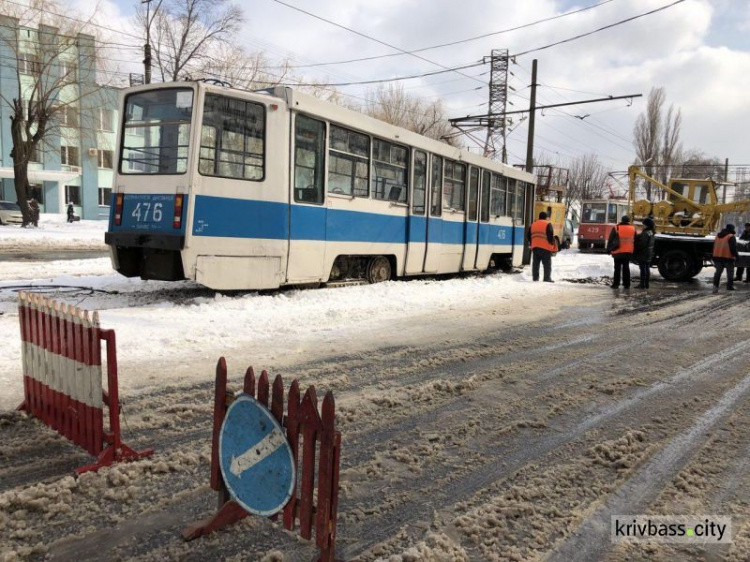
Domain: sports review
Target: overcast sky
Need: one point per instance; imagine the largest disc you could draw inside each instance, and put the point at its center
(698, 50)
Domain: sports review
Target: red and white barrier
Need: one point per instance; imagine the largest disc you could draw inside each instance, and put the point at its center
(62, 370)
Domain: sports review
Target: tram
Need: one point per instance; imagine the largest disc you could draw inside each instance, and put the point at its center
(598, 218)
(242, 190)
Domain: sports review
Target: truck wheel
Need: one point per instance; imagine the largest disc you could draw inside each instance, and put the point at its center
(378, 270)
(676, 265)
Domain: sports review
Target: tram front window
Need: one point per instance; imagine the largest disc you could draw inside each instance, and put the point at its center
(594, 213)
(156, 129)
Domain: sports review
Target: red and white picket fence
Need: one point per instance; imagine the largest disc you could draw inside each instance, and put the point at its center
(62, 377)
(308, 431)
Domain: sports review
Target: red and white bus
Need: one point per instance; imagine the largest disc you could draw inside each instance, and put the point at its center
(598, 217)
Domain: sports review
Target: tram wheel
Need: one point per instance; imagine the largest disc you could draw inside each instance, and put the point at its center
(378, 270)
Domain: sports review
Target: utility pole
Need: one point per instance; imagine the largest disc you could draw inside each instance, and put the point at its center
(532, 115)
(726, 179)
(147, 46)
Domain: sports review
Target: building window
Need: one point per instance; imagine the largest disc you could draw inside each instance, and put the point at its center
(232, 139)
(105, 159)
(105, 196)
(29, 64)
(35, 155)
(454, 187)
(309, 152)
(349, 164)
(69, 156)
(69, 116)
(36, 191)
(73, 194)
(106, 119)
(390, 167)
(68, 71)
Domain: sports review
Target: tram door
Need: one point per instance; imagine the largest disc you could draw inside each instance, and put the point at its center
(434, 221)
(471, 226)
(307, 227)
(416, 227)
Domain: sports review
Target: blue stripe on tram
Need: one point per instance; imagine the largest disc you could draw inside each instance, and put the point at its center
(243, 218)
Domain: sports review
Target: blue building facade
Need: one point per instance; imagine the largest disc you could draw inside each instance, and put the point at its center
(75, 160)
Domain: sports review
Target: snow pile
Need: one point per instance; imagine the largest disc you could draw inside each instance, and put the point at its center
(54, 233)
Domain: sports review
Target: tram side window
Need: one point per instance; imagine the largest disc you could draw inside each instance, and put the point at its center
(436, 183)
(420, 182)
(309, 152)
(232, 139)
(518, 198)
(473, 193)
(390, 171)
(499, 194)
(454, 187)
(484, 204)
(349, 165)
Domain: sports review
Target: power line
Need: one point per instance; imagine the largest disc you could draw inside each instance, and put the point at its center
(398, 78)
(349, 29)
(582, 35)
(483, 36)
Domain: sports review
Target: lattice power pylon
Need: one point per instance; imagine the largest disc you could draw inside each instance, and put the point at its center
(496, 127)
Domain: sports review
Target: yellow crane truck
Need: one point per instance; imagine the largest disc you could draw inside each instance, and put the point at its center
(552, 183)
(686, 222)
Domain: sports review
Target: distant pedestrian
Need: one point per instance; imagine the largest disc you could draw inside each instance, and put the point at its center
(34, 209)
(541, 238)
(71, 212)
(621, 245)
(740, 270)
(644, 251)
(725, 254)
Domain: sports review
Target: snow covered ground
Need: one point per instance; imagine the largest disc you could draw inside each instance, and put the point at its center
(54, 233)
(166, 321)
(489, 415)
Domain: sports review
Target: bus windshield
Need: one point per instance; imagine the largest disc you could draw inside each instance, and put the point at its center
(594, 212)
(156, 130)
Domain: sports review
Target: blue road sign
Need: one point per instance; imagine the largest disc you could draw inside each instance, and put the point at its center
(256, 459)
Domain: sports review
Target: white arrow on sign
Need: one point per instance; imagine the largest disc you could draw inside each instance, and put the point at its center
(262, 449)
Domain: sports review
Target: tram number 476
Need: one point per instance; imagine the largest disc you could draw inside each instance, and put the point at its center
(142, 211)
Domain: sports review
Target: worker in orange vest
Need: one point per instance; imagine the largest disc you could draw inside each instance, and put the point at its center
(621, 245)
(724, 255)
(541, 238)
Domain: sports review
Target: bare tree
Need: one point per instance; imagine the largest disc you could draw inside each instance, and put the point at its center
(54, 70)
(186, 31)
(697, 165)
(250, 71)
(587, 179)
(671, 149)
(393, 105)
(647, 134)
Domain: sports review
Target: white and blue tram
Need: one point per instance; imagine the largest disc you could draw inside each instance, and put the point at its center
(255, 190)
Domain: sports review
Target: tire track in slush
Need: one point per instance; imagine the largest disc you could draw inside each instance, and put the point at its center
(382, 527)
(590, 541)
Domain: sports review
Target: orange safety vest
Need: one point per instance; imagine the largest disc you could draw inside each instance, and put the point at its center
(721, 247)
(539, 236)
(626, 233)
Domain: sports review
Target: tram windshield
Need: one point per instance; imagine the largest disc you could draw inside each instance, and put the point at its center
(594, 212)
(156, 132)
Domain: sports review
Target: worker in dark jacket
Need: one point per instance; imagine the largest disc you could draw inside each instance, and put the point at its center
(620, 246)
(541, 238)
(725, 254)
(644, 251)
(740, 270)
